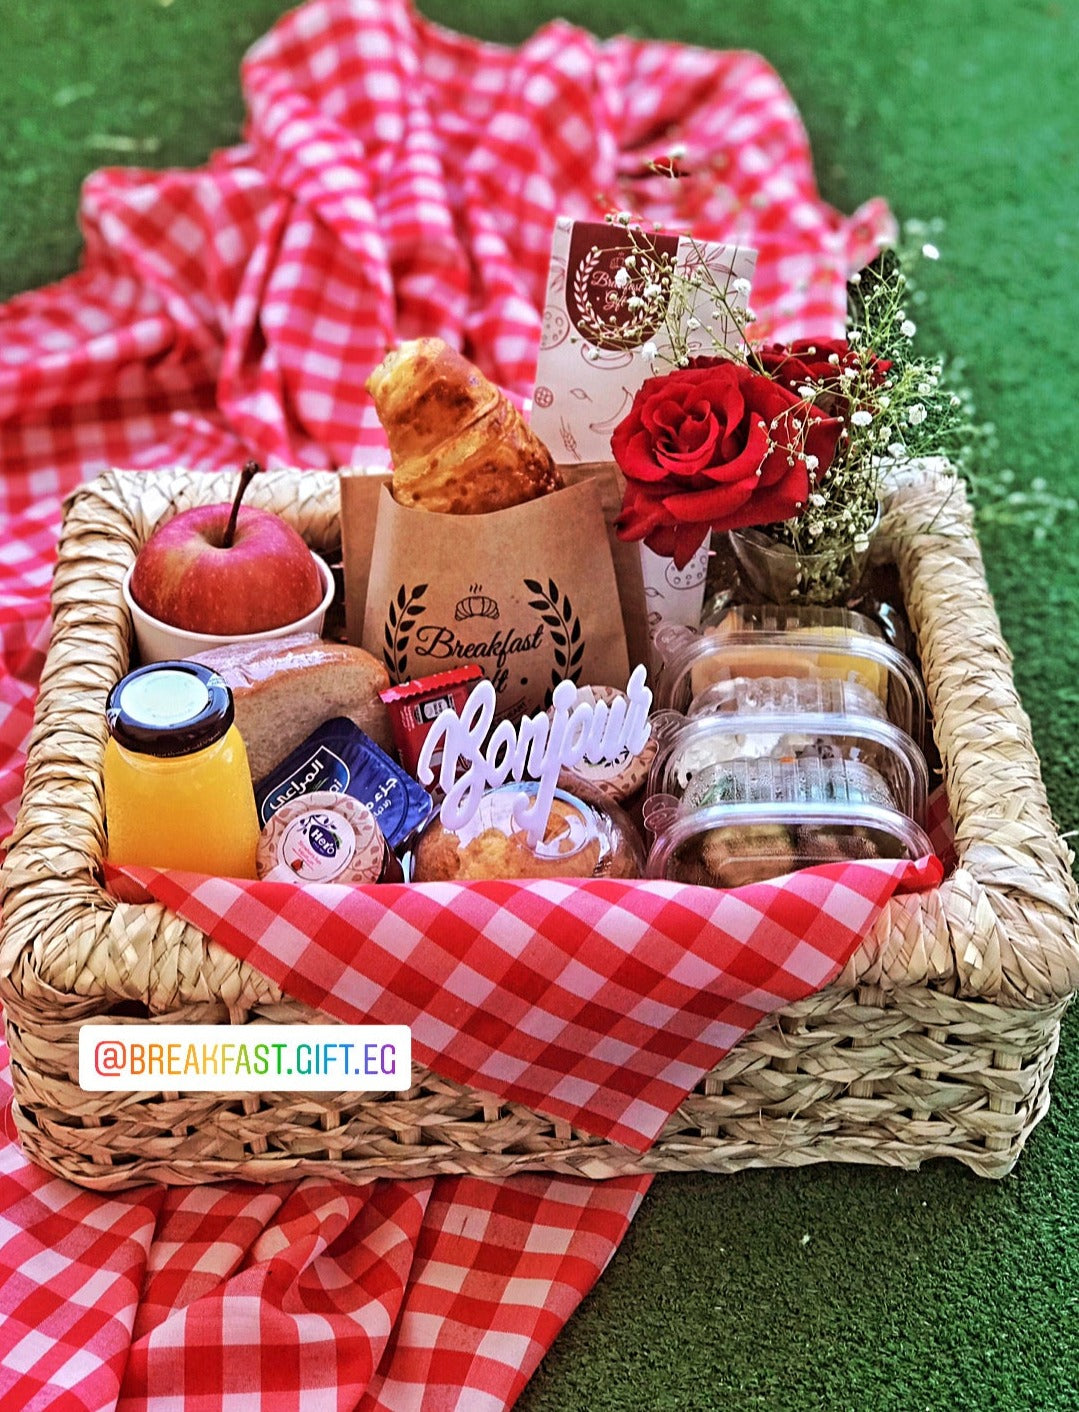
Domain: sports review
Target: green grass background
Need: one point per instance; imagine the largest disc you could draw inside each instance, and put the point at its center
(830, 1287)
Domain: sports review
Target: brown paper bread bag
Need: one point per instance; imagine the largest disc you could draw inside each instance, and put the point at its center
(529, 594)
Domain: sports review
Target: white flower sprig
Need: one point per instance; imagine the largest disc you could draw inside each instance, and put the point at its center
(896, 406)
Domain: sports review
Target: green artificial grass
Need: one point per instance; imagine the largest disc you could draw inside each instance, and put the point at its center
(827, 1287)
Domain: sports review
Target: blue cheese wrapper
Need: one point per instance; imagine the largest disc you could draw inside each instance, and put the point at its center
(339, 758)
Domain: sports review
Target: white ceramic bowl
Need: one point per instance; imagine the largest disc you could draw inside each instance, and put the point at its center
(159, 642)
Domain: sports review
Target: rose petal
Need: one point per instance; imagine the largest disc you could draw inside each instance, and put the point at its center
(710, 505)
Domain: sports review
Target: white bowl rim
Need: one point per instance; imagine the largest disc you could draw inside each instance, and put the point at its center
(210, 639)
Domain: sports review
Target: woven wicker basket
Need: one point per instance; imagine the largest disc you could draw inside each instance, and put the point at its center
(937, 1040)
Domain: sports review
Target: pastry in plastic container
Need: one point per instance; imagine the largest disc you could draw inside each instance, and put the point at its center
(758, 819)
(858, 659)
(587, 836)
(813, 749)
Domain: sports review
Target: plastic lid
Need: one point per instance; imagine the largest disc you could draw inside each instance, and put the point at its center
(816, 753)
(866, 661)
(731, 845)
(810, 780)
(820, 696)
(585, 837)
(169, 709)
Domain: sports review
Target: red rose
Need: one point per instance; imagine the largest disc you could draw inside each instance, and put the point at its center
(820, 363)
(715, 446)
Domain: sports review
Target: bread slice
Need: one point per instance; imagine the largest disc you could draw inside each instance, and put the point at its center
(285, 687)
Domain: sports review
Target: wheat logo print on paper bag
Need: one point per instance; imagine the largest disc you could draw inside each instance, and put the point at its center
(527, 594)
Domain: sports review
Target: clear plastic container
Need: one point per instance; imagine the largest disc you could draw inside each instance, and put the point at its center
(587, 836)
(865, 661)
(729, 845)
(785, 696)
(814, 751)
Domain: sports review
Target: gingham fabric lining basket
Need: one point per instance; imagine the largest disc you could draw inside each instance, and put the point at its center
(938, 1039)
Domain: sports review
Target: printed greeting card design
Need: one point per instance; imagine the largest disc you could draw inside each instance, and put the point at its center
(600, 338)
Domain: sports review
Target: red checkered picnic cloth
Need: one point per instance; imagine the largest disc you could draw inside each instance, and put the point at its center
(396, 179)
(396, 1295)
(602, 1003)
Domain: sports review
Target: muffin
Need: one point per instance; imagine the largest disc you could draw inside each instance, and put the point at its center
(586, 837)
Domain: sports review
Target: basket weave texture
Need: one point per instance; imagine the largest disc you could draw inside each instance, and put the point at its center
(937, 1040)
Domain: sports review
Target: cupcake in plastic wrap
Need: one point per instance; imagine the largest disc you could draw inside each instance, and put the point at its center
(587, 836)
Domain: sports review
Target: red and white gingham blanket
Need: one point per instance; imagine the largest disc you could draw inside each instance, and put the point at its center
(396, 180)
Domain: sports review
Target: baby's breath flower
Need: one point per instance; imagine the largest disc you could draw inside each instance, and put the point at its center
(893, 406)
(621, 277)
(930, 251)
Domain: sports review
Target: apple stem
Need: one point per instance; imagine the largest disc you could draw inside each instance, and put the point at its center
(247, 475)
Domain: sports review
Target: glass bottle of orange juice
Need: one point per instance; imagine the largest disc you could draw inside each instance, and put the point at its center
(178, 790)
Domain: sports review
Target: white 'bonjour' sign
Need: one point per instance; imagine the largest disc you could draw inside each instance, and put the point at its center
(538, 748)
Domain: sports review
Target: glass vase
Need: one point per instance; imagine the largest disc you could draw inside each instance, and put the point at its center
(781, 574)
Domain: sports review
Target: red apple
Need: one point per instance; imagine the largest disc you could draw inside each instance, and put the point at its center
(226, 570)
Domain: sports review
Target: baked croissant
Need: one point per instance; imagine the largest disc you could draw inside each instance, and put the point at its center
(458, 444)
